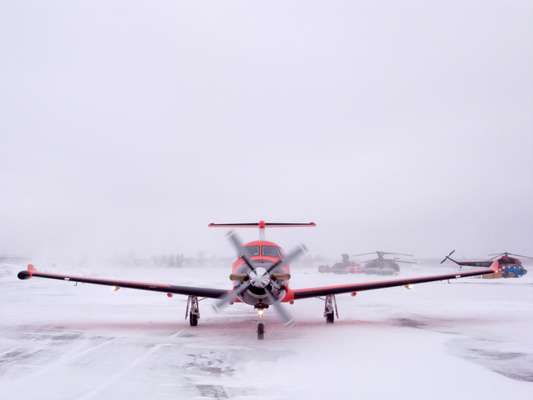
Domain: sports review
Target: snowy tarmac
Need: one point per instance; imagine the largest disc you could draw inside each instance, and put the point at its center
(471, 338)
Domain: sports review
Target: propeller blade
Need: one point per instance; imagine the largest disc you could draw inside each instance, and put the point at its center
(293, 255)
(236, 242)
(237, 245)
(230, 297)
(448, 256)
(284, 315)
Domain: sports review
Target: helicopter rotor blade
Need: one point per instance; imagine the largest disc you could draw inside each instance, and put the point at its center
(363, 254)
(506, 253)
(406, 261)
(448, 256)
(396, 254)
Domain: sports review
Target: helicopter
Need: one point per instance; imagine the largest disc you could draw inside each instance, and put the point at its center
(345, 266)
(509, 264)
(382, 265)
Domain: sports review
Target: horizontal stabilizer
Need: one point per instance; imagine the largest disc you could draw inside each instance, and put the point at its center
(263, 225)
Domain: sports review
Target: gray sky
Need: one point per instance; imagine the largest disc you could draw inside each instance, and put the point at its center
(129, 125)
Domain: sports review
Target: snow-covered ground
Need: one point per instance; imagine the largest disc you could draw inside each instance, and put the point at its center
(467, 339)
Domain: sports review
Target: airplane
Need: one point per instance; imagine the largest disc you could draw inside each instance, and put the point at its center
(506, 266)
(260, 277)
(382, 265)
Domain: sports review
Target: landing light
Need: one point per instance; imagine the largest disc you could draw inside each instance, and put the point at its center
(115, 289)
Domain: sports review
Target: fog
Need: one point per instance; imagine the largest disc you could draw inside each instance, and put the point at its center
(128, 126)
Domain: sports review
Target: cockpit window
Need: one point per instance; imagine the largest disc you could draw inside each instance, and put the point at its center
(271, 251)
(251, 251)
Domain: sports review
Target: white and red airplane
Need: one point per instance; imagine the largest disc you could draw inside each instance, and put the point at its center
(260, 277)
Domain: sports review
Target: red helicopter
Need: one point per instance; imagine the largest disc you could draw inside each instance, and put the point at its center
(507, 265)
(260, 277)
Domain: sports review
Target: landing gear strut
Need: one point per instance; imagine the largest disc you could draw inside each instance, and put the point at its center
(193, 310)
(330, 309)
(260, 323)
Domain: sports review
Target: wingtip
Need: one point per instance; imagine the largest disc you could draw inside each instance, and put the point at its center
(24, 275)
(27, 273)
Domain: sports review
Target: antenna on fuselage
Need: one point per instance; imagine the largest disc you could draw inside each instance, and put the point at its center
(262, 225)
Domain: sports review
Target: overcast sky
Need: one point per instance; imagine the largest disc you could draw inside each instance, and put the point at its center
(130, 125)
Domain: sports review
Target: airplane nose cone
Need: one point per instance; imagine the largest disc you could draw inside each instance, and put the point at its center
(259, 278)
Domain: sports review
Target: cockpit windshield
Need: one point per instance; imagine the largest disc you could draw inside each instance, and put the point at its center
(251, 251)
(271, 251)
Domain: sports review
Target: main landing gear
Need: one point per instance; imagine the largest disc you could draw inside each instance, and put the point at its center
(193, 310)
(330, 308)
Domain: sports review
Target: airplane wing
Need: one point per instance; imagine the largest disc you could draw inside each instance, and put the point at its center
(357, 287)
(154, 287)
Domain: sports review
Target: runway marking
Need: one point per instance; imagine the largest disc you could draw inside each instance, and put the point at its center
(9, 351)
(119, 375)
(71, 355)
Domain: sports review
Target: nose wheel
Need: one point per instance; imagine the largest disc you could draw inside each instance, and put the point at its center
(260, 323)
(260, 331)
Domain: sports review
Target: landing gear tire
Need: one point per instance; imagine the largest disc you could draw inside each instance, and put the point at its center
(330, 308)
(260, 331)
(193, 319)
(193, 310)
(330, 318)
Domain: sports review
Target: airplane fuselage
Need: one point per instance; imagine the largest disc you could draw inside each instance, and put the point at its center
(262, 254)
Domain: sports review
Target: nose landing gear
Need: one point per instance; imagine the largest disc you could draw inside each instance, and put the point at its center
(260, 323)
(192, 310)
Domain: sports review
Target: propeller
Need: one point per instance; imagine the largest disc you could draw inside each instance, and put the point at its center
(448, 256)
(259, 277)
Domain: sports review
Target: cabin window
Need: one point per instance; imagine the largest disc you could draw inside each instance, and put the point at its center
(271, 251)
(251, 251)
